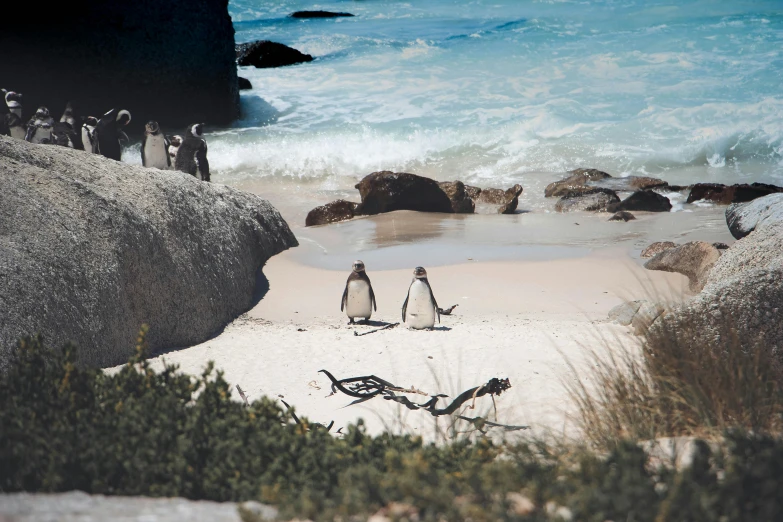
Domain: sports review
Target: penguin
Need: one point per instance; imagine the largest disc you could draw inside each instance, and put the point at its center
(174, 143)
(13, 120)
(108, 133)
(39, 127)
(192, 153)
(420, 308)
(358, 297)
(155, 148)
(63, 135)
(89, 140)
(70, 118)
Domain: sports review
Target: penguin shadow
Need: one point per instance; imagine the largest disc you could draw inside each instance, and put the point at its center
(441, 329)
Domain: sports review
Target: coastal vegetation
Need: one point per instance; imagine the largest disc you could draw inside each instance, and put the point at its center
(141, 432)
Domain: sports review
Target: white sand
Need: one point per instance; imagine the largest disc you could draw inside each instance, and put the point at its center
(520, 320)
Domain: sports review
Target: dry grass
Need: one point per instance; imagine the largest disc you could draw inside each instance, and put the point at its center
(676, 386)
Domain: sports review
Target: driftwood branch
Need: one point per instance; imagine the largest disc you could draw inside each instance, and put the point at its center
(365, 388)
(357, 334)
(447, 311)
(242, 394)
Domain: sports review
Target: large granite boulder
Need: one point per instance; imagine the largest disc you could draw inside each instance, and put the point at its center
(263, 54)
(577, 178)
(461, 203)
(91, 248)
(694, 260)
(725, 194)
(743, 218)
(333, 212)
(172, 62)
(741, 306)
(387, 191)
(643, 200)
(593, 200)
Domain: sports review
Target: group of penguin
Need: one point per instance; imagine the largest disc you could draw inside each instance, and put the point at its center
(105, 136)
(419, 310)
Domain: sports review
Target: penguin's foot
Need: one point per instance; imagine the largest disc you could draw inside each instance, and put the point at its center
(351, 321)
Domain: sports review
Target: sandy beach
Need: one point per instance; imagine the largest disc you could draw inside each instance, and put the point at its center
(525, 320)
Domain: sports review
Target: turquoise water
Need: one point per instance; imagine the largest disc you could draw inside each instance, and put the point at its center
(490, 91)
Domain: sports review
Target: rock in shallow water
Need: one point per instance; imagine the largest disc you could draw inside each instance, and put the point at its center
(461, 203)
(92, 248)
(244, 84)
(263, 54)
(388, 191)
(577, 178)
(725, 194)
(622, 216)
(643, 200)
(333, 212)
(657, 247)
(593, 200)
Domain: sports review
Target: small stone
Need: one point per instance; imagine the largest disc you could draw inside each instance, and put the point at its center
(622, 216)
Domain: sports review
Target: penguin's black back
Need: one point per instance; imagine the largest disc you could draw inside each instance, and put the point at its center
(108, 136)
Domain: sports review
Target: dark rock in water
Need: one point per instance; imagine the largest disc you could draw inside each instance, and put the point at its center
(721, 246)
(472, 192)
(595, 199)
(318, 14)
(506, 201)
(743, 218)
(333, 212)
(643, 200)
(170, 61)
(622, 216)
(657, 247)
(244, 84)
(694, 260)
(92, 248)
(461, 203)
(387, 191)
(263, 54)
(725, 194)
(578, 178)
(679, 188)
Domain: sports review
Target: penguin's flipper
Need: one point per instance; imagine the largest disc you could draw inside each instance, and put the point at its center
(201, 159)
(166, 144)
(123, 136)
(434, 302)
(30, 133)
(344, 300)
(372, 296)
(143, 158)
(405, 305)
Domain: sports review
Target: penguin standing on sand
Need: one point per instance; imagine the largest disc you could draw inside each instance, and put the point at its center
(155, 148)
(39, 128)
(420, 308)
(109, 133)
(174, 143)
(14, 126)
(192, 154)
(89, 141)
(358, 297)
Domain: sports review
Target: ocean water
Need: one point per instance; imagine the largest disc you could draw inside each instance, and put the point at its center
(493, 91)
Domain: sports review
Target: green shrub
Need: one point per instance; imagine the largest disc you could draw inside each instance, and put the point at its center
(140, 432)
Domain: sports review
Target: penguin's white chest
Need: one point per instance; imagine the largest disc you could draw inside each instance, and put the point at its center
(41, 134)
(18, 132)
(421, 310)
(155, 154)
(359, 303)
(173, 155)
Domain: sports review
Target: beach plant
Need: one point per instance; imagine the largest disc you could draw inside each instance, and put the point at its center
(164, 433)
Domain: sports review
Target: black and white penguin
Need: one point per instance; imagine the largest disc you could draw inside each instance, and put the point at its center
(14, 126)
(89, 141)
(420, 308)
(358, 297)
(63, 135)
(72, 119)
(109, 133)
(174, 143)
(192, 154)
(155, 148)
(39, 128)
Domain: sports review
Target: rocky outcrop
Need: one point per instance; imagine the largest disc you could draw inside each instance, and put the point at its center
(263, 54)
(318, 14)
(694, 260)
(244, 84)
(461, 203)
(79, 506)
(577, 178)
(387, 191)
(171, 61)
(91, 248)
(643, 200)
(657, 247)
(333, 212)
(622, 216)
(630, 183)
(593, 200)
(506, 201)
(743, 218)
(725, 194)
